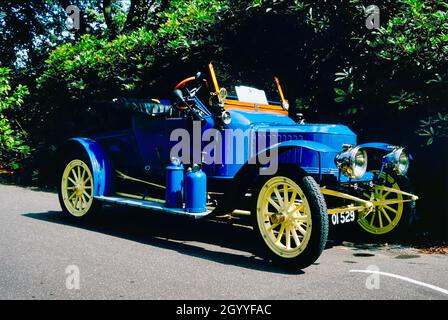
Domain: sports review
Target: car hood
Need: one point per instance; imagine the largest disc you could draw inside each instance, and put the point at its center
(334, 135)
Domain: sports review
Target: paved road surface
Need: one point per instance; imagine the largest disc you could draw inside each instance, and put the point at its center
(133, 254)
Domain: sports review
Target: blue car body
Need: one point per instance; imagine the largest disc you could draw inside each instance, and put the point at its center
(142, 150)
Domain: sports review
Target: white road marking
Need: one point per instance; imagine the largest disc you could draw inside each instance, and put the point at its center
(423, 284)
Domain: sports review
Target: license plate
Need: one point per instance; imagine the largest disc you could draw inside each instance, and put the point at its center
(343, 217)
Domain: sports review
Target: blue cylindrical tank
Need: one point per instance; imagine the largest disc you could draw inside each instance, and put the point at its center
(195, 190)
(174, 194)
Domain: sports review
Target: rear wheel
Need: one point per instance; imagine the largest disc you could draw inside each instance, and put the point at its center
(76, 188)
(290, 219)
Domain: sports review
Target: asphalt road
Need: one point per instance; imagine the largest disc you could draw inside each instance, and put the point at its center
(134, 254)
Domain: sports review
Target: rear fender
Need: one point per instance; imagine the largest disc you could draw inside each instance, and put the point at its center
(100, 163)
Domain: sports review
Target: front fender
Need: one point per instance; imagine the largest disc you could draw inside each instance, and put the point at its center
(382, 146)
(377, 145)
(244, 178)
(100, 163)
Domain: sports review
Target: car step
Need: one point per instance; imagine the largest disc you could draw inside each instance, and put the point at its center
(156, 206)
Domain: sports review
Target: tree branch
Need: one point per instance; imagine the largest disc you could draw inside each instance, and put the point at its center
(107, 12)
(137, 15)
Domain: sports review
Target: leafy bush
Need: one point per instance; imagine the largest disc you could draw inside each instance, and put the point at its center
(13, 149)
(434, 128)
(98, 67)
(404, 65)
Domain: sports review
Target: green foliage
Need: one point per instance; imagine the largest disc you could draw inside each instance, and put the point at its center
(416, 40)
(403, 64)
(418, 34)
(113, 65)
(96, 66)
(434, 128)
(186, 19)
(12, 141)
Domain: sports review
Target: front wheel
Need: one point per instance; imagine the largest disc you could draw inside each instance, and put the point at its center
(392, 216)
(290, 219)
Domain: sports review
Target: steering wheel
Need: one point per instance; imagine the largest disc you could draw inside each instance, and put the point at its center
(192, 92)
(184, 82)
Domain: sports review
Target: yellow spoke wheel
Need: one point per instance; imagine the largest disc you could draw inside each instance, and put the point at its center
(284, 217)
(77, 188)
(385, 217)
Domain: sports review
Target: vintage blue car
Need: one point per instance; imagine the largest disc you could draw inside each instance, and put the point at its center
(211, 154)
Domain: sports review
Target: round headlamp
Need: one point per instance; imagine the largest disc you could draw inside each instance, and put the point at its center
(226, 117)
(399, 159)
(352, 162)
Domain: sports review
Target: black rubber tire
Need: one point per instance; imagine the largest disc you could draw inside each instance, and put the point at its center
(319, 216)
(96, 206)
(404, 227)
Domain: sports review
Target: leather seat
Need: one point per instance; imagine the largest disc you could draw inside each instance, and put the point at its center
(144, 106)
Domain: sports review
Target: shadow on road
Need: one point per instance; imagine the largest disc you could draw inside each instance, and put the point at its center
(175, 233)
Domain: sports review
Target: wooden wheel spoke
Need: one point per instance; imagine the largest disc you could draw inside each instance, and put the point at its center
(380, 218)
(386, 215)
(298, 208)
(83, 174)
(280, 233)
(293, 197)
(89, 179)
(285, 194)
(288, 238)
(301, 218)
(73, 172)
(272, 227)
(375, 193)
(384, 196)
(390, 208)
(372, 219)
(79, 206)
(300, 228)
(274, 204)
(71, 180)
(279, 197)
(71, 196)
(84, 201)
(75, 204)
(295, 237)
(86, 194)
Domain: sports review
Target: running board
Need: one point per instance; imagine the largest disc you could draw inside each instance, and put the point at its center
(156, 206)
